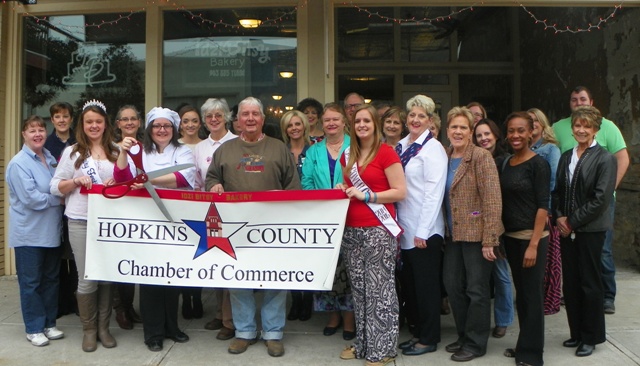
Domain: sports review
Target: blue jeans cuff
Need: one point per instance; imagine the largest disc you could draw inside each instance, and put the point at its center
(272, 336)
(246, 335)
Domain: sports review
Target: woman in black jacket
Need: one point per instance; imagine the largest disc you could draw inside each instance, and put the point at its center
(586, 179)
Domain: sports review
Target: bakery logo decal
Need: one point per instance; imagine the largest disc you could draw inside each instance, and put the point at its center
(87, 67)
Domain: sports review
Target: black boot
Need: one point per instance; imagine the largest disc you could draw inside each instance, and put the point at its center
(187, 308)
(196, 292)
(296, 300)
(306, 306)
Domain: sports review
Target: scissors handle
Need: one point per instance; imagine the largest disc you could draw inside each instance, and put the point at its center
(135, 152)
(116, 190)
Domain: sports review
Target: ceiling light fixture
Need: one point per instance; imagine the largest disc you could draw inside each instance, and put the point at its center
(276, 97)
(250, 23)
(286, 74)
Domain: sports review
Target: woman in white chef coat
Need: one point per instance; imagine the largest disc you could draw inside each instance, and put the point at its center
(159, 304)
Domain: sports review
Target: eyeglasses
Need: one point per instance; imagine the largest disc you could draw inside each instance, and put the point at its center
(159, 127)
(353, 106)
(212, 116)
(127, 119)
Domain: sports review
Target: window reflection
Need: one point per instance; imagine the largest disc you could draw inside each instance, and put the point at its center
(69, 59)
(203, 60)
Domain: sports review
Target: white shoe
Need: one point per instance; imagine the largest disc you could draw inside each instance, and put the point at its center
(53, 333)
(38, 339)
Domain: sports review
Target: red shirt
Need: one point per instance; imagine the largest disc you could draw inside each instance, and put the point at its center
(359, 214)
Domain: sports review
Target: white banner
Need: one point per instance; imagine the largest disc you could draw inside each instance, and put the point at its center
(262, 240)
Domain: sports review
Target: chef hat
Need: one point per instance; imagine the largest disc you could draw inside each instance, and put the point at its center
(159, 112)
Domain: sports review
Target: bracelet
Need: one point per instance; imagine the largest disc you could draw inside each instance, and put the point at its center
(375, 197)
(366, 197)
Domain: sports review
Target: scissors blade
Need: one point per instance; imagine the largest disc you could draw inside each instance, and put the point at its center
(152, 192)
(165, 171)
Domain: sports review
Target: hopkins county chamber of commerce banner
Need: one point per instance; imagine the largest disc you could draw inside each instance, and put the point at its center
(261, 240)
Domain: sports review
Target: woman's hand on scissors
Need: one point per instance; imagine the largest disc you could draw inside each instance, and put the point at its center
(127, 142)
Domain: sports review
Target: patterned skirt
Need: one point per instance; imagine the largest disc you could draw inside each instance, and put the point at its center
(553, 272)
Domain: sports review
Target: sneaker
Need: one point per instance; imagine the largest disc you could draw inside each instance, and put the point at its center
(38, 339)
(53, 333)
(348, 353)
(275, 348)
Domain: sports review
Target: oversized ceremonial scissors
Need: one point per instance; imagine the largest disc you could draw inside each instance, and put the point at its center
(135, 152)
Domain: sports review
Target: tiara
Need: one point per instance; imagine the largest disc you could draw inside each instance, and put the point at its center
(94, 102)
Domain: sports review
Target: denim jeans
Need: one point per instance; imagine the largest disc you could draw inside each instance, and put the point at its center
(466, 278)
(38, 269)
(503, 299)
(273, 313)
(608, 266)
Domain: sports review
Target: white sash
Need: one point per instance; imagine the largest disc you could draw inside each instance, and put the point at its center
(88, 168)
(384, 216)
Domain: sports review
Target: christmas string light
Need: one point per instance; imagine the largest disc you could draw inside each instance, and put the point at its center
(80, 29)
(221, 23)
(413, 19)
(568, 29)
(547, 25)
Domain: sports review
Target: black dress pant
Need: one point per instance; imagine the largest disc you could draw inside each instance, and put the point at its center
(529, 284)
(582, 286)
(159, 310)
(421, 279)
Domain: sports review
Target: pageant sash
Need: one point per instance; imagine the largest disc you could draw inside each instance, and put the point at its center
(88, 168)
(384, 216)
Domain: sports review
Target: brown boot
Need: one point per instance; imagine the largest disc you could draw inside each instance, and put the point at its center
(104, 316)
(87, 307)
(122, 316)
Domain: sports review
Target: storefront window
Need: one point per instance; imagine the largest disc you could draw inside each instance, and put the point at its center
(362, 37)
(208, 54)
(484, 35)
(494, 92)
(426, 41)
(72, 59)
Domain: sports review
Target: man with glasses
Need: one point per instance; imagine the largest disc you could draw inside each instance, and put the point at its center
(351, 102)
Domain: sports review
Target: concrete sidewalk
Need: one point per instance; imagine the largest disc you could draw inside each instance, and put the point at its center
(304, 342)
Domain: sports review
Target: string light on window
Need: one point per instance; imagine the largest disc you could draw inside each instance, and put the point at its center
(547, 25)
(568, 29)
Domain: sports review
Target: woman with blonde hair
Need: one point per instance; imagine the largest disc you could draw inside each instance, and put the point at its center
(295, 133)
(294, 126)
(424, 161)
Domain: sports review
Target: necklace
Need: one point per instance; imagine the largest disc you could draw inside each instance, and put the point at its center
(451, 168)
(335, 146)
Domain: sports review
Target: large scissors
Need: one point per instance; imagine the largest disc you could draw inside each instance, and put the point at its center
(135, 152)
